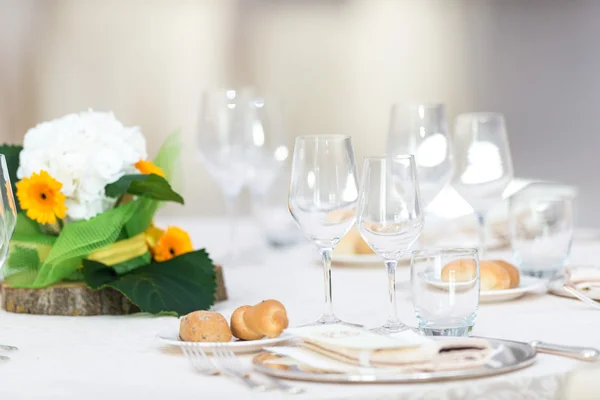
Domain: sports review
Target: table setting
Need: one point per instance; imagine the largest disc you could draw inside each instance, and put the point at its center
(489, 288)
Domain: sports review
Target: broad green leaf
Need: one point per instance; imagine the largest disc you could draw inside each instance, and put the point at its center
(179, 286)
(21, 266)
(36, 238)
(146, 208)
(78, 239)
(11, 153)
(130, 265)
(26, 226)
(151, 186)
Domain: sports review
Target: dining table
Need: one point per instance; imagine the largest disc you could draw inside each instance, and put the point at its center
(121, 357)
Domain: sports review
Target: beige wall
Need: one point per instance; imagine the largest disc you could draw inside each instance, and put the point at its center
(337, 65)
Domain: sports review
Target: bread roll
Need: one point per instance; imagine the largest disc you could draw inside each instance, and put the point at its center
(493, 276)
(204, 326)
(268, 318)
(513, 271)
(353, 243)
(239, 328)
(461, 270)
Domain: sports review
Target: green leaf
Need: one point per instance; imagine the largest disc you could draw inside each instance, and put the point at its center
(146, 208)
(26, 226)
(151, 186)
(167, 158)
(130, 265)
(78, 239)
(21, 266)
(37, 238)
(11, 153)
(179, 286)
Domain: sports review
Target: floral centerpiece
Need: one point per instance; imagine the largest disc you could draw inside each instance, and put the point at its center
(86, 199)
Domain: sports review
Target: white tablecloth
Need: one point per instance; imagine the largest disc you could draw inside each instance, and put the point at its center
(120, 357)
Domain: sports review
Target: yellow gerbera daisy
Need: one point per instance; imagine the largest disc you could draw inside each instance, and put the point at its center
(174, 242)
(148, 167)
(40, 196)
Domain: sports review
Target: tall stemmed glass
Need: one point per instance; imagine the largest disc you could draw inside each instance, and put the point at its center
(390, 217)
(225, 134)
(483, 163)
(422, 130)
(8, 220)
(323, 198)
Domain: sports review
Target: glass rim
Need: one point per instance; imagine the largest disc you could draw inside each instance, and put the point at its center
(425, 104)
(439, 251)
(323, 137)
(390, 156)
(481, 115)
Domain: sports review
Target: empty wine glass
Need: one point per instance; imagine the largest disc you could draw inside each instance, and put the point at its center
(422, 130)
(8, 220)
(483, 163)
(323, 198)
(390, 218)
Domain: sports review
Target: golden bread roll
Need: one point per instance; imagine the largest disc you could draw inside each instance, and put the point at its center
(204, 326)
(461, 270)
(267, 318)
(513, 271)
(493, 276)
(353, 243)
(239, 328)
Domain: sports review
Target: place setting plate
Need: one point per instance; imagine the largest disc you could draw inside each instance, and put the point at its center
(527, 284)
(171, 337)
(556, 287)
(507, 356)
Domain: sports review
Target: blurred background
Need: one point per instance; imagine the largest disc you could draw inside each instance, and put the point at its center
(336, 65)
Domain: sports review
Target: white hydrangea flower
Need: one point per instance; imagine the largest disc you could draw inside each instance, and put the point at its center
(84, 152)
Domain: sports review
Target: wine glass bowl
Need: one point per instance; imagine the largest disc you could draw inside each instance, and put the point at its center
(323, 198)
(422, 130)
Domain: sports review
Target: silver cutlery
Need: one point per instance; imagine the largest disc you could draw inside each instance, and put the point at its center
(230, 363)
(578, 353)
(587, 300)
(7, 348)
(200, 361)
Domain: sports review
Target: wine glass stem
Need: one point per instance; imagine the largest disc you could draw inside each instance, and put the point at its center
(232, 215)
(481, 221)
(326, 256)
(391, 271)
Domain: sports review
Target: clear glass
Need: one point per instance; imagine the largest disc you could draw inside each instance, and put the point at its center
(445, 290)
(422, 130)
(242, 142)
(390, 218)
(270, 210)
(541, 231)
(323, 198)
(8, 218)
(483, 163)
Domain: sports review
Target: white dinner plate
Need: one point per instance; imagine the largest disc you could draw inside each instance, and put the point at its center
(528, 284)
(171, 337)
(556, 287)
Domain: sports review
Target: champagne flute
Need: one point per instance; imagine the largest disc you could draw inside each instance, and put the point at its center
(422, 130)
(483, 163)
(323, 197)
(390, 217)
(8, 220)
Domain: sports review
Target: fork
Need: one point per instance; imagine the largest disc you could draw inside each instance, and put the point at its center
(199, 360)
(7, 348)
(232, 364)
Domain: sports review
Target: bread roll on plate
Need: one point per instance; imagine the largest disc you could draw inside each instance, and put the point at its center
(267, 318)
(204, 326)
(493, 274)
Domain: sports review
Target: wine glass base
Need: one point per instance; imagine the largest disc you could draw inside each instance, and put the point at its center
(332, 320)
(391, 328)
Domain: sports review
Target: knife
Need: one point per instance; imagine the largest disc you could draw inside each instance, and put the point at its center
(578, 353)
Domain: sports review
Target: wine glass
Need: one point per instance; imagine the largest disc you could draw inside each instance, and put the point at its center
(323, 197)
(422, 130)
(8, 218)
(390, 217)
(483, 163)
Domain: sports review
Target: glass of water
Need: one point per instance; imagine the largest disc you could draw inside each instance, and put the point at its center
(541, 231)
(445, 290)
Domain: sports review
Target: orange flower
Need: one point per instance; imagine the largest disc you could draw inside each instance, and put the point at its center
(40, 196)
(173, 243)
(148, 167)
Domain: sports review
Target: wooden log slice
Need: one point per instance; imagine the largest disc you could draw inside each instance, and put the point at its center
(75, 298)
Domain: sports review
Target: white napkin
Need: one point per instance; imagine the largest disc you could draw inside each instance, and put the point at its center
(583, 278)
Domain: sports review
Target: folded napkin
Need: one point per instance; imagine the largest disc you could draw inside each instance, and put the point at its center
(582, 278)
(347, 349)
